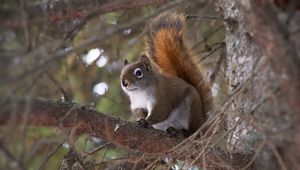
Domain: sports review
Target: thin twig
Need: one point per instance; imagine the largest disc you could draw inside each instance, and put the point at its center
(191, 16)
(51, 154)
(99, 148)
(10, 156)
(277, 155)
(254, 156)
(59, 87)
(206, 37)
(25, 25)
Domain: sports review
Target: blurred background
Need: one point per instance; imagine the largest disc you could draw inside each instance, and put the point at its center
(73, 50)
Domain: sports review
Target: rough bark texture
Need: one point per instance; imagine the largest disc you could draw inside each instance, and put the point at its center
(263, 62)
(273, 37)
(69, 115)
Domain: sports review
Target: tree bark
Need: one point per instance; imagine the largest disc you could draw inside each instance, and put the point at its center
(69, 115)
(260, 51)
(273, 37)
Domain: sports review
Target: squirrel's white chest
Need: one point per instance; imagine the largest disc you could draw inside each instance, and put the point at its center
(141, 99)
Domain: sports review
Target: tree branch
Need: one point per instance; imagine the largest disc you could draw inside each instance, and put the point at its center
(59, 54)
(69, 115)
(61, 10)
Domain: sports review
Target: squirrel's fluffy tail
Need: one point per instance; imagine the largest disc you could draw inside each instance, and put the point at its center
(166, 47)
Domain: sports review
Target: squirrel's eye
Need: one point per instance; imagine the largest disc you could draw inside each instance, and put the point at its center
(138, 73)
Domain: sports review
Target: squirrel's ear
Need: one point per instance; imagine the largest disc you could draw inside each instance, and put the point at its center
(144, 58)
(125, 62)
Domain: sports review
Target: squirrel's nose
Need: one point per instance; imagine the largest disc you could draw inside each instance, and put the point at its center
(125, 83)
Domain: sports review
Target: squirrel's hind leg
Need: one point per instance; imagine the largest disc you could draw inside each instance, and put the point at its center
(177, 132)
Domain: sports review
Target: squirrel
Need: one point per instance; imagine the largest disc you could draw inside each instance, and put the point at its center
(165, 86)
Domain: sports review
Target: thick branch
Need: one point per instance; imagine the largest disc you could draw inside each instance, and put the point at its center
(68, 115)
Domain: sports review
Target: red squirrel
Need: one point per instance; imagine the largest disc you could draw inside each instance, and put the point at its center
(165, 86)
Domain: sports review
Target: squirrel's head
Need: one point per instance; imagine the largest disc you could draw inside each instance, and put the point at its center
(137, 75)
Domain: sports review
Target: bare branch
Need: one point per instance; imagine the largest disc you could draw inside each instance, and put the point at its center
(10, 156)
(62, 53)
(75, 9)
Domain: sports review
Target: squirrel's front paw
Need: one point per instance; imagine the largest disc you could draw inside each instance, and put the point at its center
(143, 123)
(140, 113)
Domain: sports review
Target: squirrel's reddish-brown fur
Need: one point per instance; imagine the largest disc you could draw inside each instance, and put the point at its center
(165, 46)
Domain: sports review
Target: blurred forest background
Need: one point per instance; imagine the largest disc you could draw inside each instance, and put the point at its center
(72, 51)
